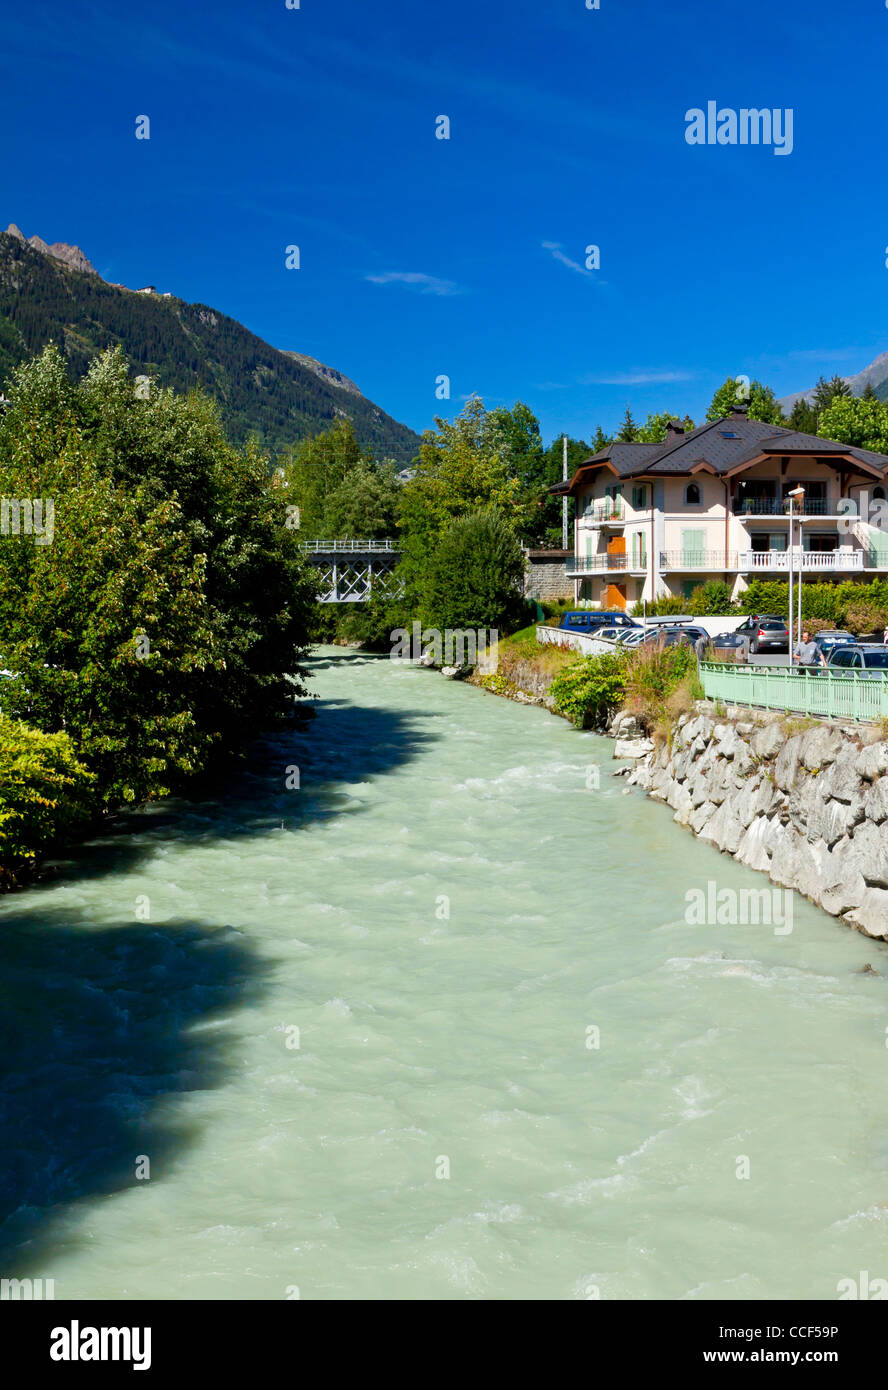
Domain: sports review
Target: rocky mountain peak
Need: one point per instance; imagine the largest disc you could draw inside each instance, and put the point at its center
(71, 256)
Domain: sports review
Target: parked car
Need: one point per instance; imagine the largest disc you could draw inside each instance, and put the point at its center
(737, 643)
(833, 637)
(685, 635)
(766, 633)
(870, 661)
(590, 619)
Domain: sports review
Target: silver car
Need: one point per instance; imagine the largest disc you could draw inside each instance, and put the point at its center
(869, 661)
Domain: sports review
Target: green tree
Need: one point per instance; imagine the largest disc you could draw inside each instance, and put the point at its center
(166, 620)
(463, 465)
(545, 530)
(365, 505)
(45, 795)
(803, 417)
(535, 469)
(320, 469)
(761, 401)
(653, 431)
(474, 574)
(600, 440)
(519, 430)
(628, 429)
(857, 421)
(825, 392)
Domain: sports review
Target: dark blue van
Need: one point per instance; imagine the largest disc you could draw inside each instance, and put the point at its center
(589, 619)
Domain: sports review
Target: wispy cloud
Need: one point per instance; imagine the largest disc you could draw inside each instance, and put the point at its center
(555, 249)
(823, 354)
(656, 376)
(424, 284)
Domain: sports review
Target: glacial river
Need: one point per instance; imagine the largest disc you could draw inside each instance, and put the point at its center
(346, 1033)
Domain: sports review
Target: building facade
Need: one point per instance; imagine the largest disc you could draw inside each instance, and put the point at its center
(713, 503)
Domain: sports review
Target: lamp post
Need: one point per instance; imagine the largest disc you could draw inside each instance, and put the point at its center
(797, 493)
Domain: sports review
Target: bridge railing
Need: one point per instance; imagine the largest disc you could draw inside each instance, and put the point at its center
(829, 693)
(365, 547)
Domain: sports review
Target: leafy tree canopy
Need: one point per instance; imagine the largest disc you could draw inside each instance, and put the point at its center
(761, 401)
(860, 421)
(653, 431)
(826, 391)
(163, 619)
(474, 574)
(339, 488)
(463, 464)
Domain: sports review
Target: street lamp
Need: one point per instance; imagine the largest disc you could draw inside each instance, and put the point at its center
(796, 493)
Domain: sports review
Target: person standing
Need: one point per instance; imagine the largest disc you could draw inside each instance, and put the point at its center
(807, 653)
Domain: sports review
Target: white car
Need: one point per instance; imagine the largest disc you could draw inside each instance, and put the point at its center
(627, 636)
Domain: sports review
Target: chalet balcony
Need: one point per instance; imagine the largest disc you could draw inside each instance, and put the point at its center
(697, 560)
(843, 561)
(777, 506)
(604, 564)
(610, 512)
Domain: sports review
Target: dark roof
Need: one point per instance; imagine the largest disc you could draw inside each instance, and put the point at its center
(708, 445)
(789, 441)
(628, 458)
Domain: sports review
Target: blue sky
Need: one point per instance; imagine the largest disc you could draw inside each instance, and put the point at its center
(421, 257)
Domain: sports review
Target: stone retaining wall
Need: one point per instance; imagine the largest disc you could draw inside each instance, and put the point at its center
(808, 806)
(545, 575)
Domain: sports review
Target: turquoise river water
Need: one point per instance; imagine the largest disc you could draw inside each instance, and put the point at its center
(345, 1032)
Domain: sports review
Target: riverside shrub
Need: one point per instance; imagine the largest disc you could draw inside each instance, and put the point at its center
(653, 676)
(46, 795)
(588, 690)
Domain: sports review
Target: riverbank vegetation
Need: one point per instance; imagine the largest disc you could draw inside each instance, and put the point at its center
(158, 615)
(654, 683)
(45, 794)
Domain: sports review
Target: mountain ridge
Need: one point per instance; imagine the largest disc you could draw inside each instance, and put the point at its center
(54, 293)
(875, 375)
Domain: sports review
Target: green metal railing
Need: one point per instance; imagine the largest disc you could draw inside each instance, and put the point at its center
(830, 693)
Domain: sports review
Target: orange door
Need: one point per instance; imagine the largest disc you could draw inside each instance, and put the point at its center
(615, 596)
(616, 545)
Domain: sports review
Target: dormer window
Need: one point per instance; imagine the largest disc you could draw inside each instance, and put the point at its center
(692, 495)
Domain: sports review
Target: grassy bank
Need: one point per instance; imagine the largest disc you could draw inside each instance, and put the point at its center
(524, 664)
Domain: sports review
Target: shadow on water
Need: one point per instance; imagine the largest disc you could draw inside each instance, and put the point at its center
(98, 1026)
(343, 746)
